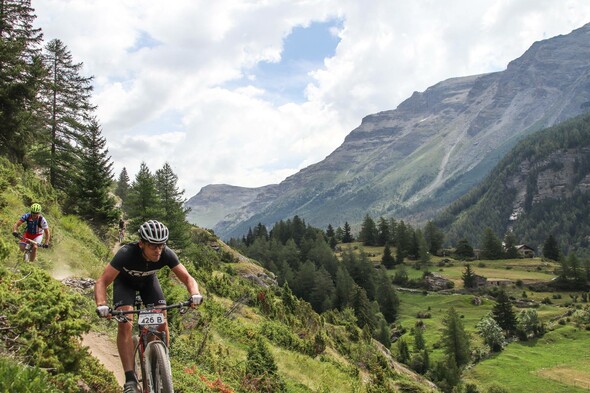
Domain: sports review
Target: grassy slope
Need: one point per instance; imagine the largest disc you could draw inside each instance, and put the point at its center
(557, 362)
(76, 251)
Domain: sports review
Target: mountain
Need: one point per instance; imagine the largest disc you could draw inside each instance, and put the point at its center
(215, 201)
(415, 160)
(540, 188)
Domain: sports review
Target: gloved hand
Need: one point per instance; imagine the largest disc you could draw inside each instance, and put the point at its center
(15, 234)
(196, 299)
(44, 245)
(102, 311)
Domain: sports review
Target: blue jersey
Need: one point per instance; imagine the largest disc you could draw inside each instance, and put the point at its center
(34, 226)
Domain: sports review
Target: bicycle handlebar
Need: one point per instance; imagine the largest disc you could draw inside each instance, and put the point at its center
(137, 311)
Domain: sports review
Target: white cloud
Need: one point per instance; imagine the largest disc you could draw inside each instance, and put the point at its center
(162, 72)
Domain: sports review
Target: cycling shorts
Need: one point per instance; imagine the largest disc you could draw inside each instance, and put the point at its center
(124, 291)
(36, 237)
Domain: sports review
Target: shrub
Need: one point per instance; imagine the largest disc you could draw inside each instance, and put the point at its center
(15, 378)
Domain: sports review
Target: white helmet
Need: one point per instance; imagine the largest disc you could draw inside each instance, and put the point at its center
(154, 232)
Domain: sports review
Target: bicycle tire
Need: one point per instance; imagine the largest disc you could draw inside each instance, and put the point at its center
(159, 372)
(138, 363)
(27, 256)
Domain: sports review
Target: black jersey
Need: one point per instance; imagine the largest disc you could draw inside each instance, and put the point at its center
(129, 261)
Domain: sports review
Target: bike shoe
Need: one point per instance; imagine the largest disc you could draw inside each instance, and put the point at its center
(131, 387)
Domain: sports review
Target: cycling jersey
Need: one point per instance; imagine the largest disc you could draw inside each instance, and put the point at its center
(131, 264)
(34, 226)
(139, 275)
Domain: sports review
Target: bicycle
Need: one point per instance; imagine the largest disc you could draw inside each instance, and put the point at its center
(29, 246)
(121, 235)
(151, 352)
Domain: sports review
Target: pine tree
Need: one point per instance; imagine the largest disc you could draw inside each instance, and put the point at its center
(362, 309)
(387, 259)
(172, 205)
(21, 71)
(503, 313)
(67, 99)
(455, 339)
(434, 237)
(551, 249)
(387, 297)
(368, 233)
(469, 279)
(92, 191)
(142, 202)
(384, 234)
(344, 287)
(419, 342)
(347, 236)
(464, 250)
(491, 245)
(403, 352)
(262, 368)
(123, 184)
(383, 334)
(330, 231)
(323, 291)
(402, 241)
(510, 250)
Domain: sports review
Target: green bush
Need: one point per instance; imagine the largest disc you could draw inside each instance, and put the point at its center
(16, 378)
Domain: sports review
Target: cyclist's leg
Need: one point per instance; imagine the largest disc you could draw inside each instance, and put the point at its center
(152, 295)
(35, 241)
(123, 299)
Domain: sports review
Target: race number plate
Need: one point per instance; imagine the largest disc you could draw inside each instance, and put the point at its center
(151, 318)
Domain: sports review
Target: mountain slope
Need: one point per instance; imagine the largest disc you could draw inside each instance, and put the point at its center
(413, 161)
(541, 187)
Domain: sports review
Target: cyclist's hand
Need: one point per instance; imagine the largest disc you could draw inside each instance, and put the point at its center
(103, 311)
(44, 245)
(196, 300)
(15, 234)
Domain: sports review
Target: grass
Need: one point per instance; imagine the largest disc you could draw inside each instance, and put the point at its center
(557, 362)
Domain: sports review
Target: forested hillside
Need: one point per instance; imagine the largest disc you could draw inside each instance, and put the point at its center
(540, 188)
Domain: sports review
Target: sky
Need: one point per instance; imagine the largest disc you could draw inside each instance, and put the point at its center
(249, 92)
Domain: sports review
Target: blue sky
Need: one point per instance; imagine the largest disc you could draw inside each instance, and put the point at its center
(248, 92)
(304, 50)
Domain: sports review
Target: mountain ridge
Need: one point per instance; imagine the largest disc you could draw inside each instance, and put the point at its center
(413, 161)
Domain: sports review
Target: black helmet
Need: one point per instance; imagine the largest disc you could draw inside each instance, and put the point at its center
(154, 232)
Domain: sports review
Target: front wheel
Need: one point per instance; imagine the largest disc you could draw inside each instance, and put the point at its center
(158, 367)
(138, 365)
(27, 253)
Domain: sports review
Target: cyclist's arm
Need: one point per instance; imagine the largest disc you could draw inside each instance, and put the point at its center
(101, 285)
(189, 282)
(16, 225)
(47, 236)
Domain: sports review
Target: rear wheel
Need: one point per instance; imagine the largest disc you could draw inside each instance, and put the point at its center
(160, 373)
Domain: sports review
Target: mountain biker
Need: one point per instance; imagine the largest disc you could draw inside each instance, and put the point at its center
(133, 269)
(37, 230)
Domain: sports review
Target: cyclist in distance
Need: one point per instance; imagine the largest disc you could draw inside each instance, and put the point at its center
(122, 226)
(37, 229)
(133, 269)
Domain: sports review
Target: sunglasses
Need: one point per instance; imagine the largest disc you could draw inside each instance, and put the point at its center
(154, 246)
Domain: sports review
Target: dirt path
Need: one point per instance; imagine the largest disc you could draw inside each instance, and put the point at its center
(105, 350)
(100, 345)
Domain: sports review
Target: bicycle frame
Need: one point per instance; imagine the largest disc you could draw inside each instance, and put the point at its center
(29, 247)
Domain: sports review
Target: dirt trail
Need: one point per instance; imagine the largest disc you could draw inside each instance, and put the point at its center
(105, 350)
(101, 346)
